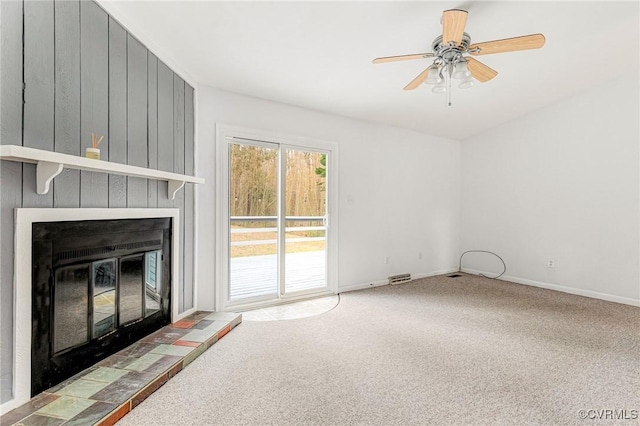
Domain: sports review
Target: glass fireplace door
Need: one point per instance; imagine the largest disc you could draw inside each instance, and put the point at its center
(104, 297)
(98, 286)
(119, 290)
(71, 312)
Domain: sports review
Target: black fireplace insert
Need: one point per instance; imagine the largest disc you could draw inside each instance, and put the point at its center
(98, 286)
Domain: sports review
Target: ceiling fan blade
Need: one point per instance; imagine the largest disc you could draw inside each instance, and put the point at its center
(480, 71)
(418, 80)
(453, 22)
(533, 41)
(401, 58)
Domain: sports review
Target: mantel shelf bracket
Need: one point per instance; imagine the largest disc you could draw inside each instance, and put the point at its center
(45, 172)
(173, 187)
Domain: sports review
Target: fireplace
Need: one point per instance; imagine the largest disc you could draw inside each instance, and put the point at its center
(98, 286)
(115, 314)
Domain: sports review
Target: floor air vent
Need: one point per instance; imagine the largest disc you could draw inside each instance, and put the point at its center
(399, 279)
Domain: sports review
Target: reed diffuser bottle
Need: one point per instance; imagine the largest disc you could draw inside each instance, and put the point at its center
(94, 151)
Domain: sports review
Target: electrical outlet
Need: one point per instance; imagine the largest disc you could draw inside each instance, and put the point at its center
(386, 260)
(551, 263)
(420, 256)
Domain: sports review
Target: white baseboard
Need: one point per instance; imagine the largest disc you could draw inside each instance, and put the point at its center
(372, 284)
(362, 286)
(434, 273)
(561, 288)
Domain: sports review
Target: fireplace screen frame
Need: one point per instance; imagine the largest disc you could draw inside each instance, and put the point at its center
(65, 256)
(24, 218)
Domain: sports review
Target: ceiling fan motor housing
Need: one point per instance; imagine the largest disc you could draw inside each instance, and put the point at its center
(448, 50)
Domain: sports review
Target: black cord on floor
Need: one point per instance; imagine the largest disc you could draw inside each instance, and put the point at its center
(483, 251)
(338, 294)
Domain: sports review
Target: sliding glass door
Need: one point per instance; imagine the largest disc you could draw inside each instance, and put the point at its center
(277, 221)
(253, 221)
(305, 254)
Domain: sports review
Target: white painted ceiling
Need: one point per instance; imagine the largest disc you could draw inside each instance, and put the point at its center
(317, 55)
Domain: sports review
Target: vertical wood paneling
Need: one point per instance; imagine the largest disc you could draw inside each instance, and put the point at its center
(165, 129)
(85, 74)
(189, 229)
(178, 167)
(178, 124)
(10, 177)
(67, 98)
(117, 111)
(152, 124)
(179, 203)
(11, 73)
(189, 127)
(10, 198)
(136, 119)
(94, 98)
(39, 93)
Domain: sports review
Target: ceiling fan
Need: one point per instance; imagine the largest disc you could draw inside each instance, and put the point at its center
(450, 50)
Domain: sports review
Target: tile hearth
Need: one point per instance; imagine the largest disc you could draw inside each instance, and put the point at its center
(106, 392)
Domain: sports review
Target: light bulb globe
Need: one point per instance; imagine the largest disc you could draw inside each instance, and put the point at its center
(433, 77)
(466, 83)
(440, 88)
(460, 70)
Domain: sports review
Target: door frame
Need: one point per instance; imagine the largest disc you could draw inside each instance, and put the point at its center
(223, 134)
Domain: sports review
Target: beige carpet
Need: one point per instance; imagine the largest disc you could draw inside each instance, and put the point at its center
(434, 351)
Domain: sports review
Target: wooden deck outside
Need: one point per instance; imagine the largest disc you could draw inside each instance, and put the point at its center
(257, 275)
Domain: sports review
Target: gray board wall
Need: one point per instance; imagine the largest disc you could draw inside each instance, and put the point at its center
(83, 73)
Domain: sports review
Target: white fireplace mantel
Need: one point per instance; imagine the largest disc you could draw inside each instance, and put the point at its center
(50, 164)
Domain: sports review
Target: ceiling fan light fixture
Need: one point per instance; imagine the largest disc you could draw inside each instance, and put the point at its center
(434, 76)
(450, 60)
(439, 88)
(466, 83)
(461, 71)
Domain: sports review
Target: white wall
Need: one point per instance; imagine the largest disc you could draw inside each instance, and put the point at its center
(405, 188)
(562, 184)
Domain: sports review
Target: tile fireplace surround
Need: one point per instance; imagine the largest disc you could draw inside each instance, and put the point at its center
(104, 393)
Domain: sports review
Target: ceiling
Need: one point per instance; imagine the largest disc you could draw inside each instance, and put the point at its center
(317, 55)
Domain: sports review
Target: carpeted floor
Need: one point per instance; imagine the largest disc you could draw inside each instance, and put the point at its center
(434, 351)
